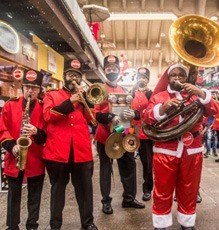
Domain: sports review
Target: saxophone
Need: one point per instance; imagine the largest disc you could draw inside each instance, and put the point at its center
(23, 141)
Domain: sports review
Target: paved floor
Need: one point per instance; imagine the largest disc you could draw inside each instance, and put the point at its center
(126, 219)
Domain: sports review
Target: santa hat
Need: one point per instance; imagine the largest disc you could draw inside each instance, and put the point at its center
(163, 82)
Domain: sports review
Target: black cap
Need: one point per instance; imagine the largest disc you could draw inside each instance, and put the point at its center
(32, 78)
(110, 60)
(74, 65)
(142, 71)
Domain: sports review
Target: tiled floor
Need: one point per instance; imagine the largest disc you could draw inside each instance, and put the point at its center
(125, 219)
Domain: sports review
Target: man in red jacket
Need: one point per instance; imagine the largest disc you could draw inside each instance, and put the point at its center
(126, 164)
(141, 95)
(68, 148)
(15, 123)
(177, 163)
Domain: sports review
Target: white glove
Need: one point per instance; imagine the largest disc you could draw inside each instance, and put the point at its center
(15, 150)
(116, 120)
(128, 114)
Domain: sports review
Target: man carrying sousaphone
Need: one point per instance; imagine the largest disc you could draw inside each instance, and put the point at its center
(177, 159)
(21, 122)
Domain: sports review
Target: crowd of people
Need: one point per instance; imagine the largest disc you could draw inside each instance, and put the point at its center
(57, 130)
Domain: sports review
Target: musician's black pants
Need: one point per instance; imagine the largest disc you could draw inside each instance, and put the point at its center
(81, 178)
(34, 189)
(127, 171)
(146, 154)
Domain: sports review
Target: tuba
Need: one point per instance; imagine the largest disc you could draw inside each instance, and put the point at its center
(23, 141)
(196, 40)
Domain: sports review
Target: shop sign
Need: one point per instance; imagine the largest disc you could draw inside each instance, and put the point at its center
(28, 52)
(9, 39)
(18, 74)
(51, 62)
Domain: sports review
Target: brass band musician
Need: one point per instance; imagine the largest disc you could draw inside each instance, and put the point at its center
(12, 124)
(68, 152)
(177, 162)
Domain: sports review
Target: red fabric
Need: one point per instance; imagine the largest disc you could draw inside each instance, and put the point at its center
(95, 28)
(103, 131)
(182, 175)
(215, 125)
(63, 131)
(10, 129)
(139, 103)
(162, 84)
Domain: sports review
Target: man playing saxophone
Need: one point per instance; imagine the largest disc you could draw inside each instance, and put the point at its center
(177, 161)
(22, 118)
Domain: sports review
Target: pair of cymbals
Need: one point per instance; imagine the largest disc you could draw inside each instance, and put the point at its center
(117, 144)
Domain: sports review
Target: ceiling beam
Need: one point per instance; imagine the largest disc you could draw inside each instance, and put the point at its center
(137, 34)
(143, 4)
(105, 3)
(124, 5)
(201, 7)
(125, 34)
(161, 4)
(180, 4)
(113, 32)
(149, 34)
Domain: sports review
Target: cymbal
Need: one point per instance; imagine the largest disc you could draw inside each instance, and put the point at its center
(130, 142)
(113, 146)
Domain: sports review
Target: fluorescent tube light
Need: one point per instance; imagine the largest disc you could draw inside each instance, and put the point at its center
(141, 16)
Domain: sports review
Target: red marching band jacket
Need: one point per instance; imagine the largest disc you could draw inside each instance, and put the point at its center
(63, 131)
(175, 147)
(103, 131)
(139, 103)
(11, 119)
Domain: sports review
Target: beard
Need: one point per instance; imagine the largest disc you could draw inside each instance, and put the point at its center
(68, 85)
(175, 85)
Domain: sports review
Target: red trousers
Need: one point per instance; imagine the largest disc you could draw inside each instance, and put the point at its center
(179, 174)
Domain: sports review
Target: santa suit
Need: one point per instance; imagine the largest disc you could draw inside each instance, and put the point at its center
(139, 103)
(176, 166)
(126, 164)
(68, 152)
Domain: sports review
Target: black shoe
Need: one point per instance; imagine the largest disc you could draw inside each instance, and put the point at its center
(91, 227)
(146, 196)
(187, 228)
(160, 228)
(199, 198)
(217, 160)
(205, 155)
(107, 208)
(215, 154)
(132, 204)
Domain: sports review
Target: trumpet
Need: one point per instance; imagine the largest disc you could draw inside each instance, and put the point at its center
(93, 120)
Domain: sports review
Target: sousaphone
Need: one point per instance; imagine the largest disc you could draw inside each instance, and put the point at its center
(196, 40)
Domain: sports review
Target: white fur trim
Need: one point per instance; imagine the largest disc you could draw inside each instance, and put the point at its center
(178, 65)
(186, 220)
(196, 150)
(162, 221)
(207, 98)
(179, 151)
(157, 115)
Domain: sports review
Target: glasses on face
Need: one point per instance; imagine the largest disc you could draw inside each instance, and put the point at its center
(179, 75)
(73, 75)
(110, 69)
(33, 88)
